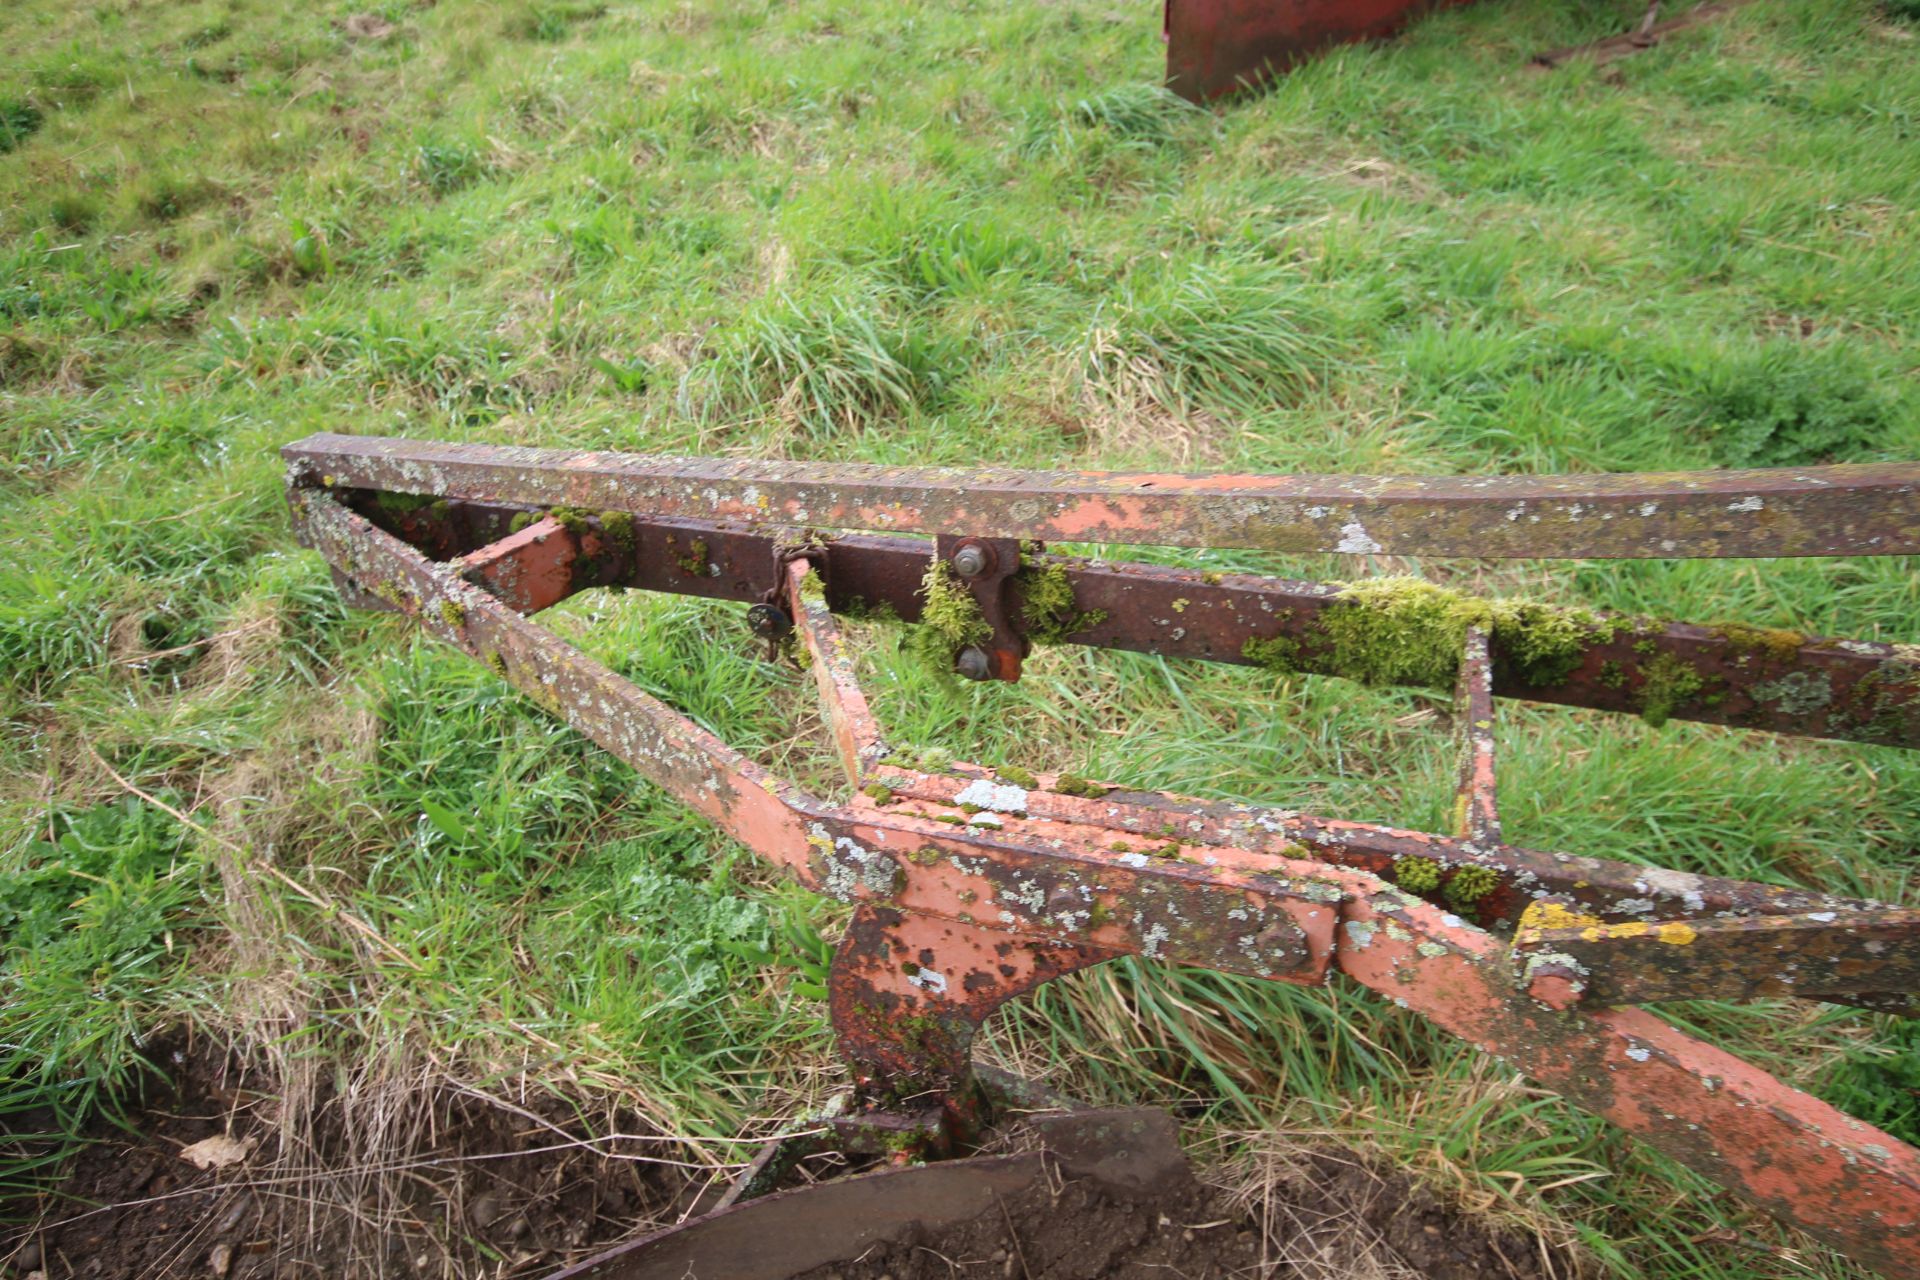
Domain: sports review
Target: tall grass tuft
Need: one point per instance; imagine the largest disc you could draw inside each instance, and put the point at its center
(1229, 336)
(834, 366)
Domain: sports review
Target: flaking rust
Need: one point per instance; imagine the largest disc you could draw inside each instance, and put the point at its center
(972, 885)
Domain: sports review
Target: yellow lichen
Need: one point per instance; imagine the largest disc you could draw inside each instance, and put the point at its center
(1549, 913)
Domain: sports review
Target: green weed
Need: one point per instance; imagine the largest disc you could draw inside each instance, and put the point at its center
(87, 952)
(19, 120)
(1787, 405)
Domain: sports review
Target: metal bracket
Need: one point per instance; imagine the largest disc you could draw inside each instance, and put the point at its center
(986, 567)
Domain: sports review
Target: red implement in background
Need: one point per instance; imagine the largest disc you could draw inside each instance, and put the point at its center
(972, 885)
(1215, 47)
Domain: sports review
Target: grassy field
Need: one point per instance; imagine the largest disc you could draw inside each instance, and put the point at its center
(910, 233)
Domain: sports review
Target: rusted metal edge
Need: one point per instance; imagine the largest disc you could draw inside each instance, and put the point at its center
(861, 853)
(1822, 954)
(1142, 823)
(856, 734)
(708, 559)
(1476, 816)
(1218, 47)
(1853, 1186)
(1769, 679)
(1871, 509)
(1153, 825)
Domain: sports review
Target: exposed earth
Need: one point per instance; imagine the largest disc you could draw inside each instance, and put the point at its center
(508, 1192)
(498, 1193)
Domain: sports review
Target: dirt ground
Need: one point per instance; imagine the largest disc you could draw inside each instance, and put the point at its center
(1335, 1219)
(502, 1193)
(498, 1194)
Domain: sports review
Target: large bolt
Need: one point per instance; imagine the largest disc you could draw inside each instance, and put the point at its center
(974, 663)
(971, 560)
(769, 622)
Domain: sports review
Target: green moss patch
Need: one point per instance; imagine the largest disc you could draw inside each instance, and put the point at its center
(1400, 631)
(1048, 609)
(1410, 631)
(950, 620)
(1416, 875)
(1777, 643)
(1667, 683)
(1279, 654)
(1470, 884)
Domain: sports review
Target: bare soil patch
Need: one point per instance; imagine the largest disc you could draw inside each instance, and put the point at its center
(502, 1190)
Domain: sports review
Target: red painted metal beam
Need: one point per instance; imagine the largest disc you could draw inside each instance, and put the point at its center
(1217, 47)
(1871, 509)
(1750, 678)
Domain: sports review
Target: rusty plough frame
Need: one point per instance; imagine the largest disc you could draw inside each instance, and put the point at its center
(971, 886)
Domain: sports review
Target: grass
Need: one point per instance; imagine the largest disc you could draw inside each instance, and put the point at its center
(929, 234)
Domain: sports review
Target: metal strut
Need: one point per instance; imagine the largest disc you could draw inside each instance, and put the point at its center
(972, 886)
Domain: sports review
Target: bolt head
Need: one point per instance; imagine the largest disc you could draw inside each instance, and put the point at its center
(769, 622)
(971, 561)
(974, 663)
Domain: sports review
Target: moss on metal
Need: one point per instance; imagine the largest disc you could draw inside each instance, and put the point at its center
(1069, 784)
(1777, 643)
(406, 504)
(1416, 875)
(1666, 684)
(1047, 606)
(1017, 776)
(1410, 631)
(1400, 631)
(1546, 642)
(1470, 884)
(618, 526)
(1278, 654)
(694, 563)
(950, 620)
